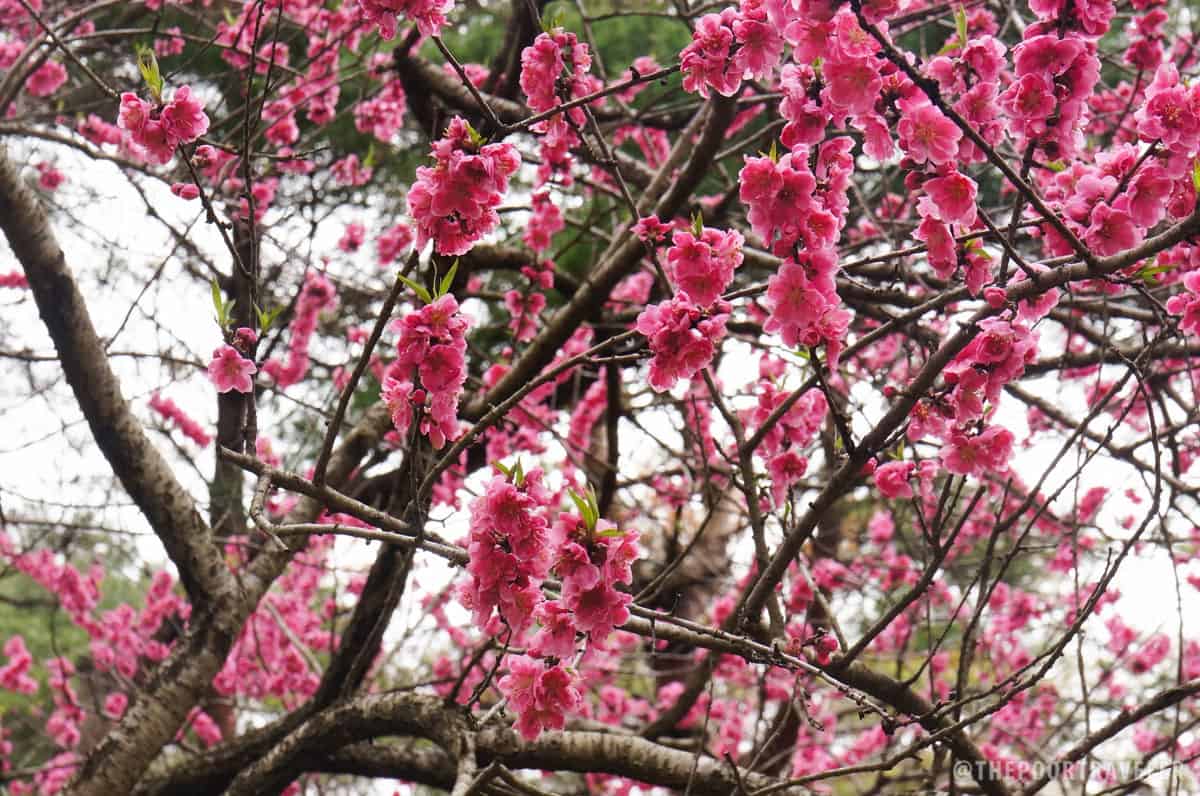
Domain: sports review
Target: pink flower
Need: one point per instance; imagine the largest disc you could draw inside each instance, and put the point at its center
(554, 69)
(454, 202)
(989, 450)
(706, 62)
(853, 84)
(761, 44)
(786, 469)
(682, 338)
(954, 197)
(541, 695)
(556, 638)
(392, 243)
(429, 15)
(115, 704)
(892, 479)
(795, 301)
(1111, 231)
(46, 79)
(926, 134)
(353, 237)
(185, 190)
(229, 371)
(183, 118)
(1169, 114)
(704, 267)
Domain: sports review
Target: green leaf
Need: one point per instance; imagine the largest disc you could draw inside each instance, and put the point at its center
(1196, 174)
(611, 533)
(555, 20)
(698, 224)
(579, 502)
(148, 66)
(448, 279)
(417, 288)
(476, 139)
(506, 471)
(1056, 166)
(369, 162)
(518, 474)
(1150, 272)
(773, 154)
(960, 24)
(266, 317)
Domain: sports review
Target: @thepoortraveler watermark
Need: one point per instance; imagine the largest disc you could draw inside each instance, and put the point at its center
(1107, 772)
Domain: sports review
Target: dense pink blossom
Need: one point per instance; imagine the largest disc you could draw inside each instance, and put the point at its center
(892, 479)
(428, 15)
(46, 79)
(682, 337)
(454, 202)
(541, 695)
(702, 267)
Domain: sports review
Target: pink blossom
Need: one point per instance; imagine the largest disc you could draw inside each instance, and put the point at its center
(988, 451)
(892, 479)
(230, 371)
(954, 197)
(429, 15)
(706, 62)
(541, 695)
(393, 242)
(926, 134)
(454, 202)
(46, 79)
(185, 190)
(183, 118)
(115, 704)
(703, 267)
(1111, 230)
(682, 338)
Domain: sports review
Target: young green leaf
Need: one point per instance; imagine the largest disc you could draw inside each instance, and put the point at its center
(148, 66)
(698, 224)
(1196, 174)
(417, 288)
(960, 25)
(447, 280)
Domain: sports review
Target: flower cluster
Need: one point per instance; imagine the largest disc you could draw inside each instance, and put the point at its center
(170, 411)
(510, 551)
(554, 69)
(682, 337)
(736, 44)
(317, 296)
(702, 266)
(541, 693)
(429, 15)
(430, 370)
(158, 129)
(454, 202)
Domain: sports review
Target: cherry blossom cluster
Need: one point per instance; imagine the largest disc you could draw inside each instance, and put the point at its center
(427, 377)
(316, 296)
(180, 419)
(513, 548)
(454, 202)
(158, 129)
(554, 70)
(683, 332)
(428, 15)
